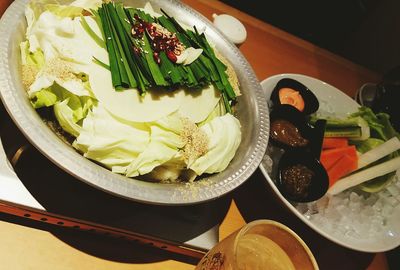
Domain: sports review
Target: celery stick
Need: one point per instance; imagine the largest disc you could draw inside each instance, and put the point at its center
(379, 152)
(364, 175)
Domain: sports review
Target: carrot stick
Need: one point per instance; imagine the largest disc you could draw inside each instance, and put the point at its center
(334, 142)
(342, 167)
(331, 156)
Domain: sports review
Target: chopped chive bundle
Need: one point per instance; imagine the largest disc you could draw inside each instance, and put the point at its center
(138, 61)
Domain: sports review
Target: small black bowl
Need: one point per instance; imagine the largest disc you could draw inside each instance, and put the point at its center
(318, 185)
(311, 103)
(296, 118)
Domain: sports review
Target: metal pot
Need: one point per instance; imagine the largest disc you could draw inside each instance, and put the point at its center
(252, 111)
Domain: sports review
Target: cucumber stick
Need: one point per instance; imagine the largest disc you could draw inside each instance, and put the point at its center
(355, 128)
(347, 132)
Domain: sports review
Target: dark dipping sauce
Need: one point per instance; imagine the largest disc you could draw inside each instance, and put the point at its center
(296, 180)
(287, 133)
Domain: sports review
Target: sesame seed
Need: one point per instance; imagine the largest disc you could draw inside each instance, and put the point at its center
(195, 140)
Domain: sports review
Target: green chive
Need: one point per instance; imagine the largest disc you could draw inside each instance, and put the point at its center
(167, 65)
(126, 74)
(100, 63)
(154, 68)
(115, 73)
(92, 34)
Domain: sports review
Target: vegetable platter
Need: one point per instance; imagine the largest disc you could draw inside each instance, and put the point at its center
(360, 208)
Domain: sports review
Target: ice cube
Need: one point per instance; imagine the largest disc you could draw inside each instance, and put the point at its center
(355, 206)
(378, 205)
(387, 210)
(302, 207)
(267, 163)
(354, 197)
(392, 201)
(393, 190)
(371, 199)
(368, 211)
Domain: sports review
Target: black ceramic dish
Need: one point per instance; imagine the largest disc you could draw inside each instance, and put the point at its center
(319, 181)
(311, 103)
(317, 138)
(300, 156)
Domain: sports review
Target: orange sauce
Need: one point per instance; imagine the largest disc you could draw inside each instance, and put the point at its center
(291, 97)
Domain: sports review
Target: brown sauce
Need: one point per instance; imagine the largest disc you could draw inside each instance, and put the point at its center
(287, 133)
(296, 180)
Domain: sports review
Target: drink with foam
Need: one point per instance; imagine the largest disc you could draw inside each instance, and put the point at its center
(260, 245)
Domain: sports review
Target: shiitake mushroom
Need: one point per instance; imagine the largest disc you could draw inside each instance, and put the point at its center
(292, 92)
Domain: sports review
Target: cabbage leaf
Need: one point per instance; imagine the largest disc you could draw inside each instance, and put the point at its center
(66, 119)
(165, 143)
(114, 143)
(224, 138)
(64, 11)
(35, 59)
(69, 109)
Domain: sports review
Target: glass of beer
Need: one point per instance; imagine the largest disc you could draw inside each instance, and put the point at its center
(260, 244)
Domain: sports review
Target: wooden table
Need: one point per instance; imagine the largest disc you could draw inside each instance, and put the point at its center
(270, 51)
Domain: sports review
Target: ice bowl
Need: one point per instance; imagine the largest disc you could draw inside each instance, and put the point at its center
(354, 219)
